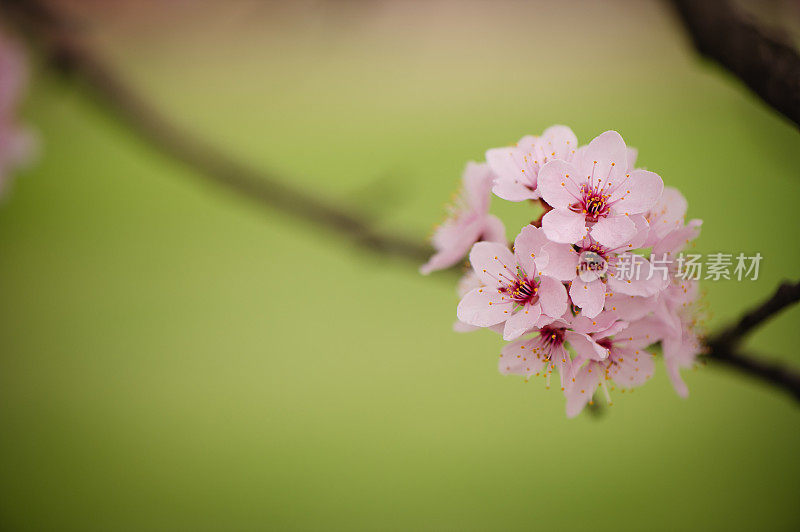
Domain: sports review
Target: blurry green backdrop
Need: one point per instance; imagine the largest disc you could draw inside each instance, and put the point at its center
(175, 358)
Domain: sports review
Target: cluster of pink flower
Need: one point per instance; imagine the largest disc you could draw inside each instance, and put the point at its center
(590, 323)
(16, 143)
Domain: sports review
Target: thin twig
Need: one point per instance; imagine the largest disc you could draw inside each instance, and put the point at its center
(776, 375)
(768, 64)
(72, 56)
(787, 294)
(723, 346)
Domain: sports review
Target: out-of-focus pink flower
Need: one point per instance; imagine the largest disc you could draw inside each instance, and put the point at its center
(666, 215)
(682, 349)
(469, 221)
(628, 363)
(677, 310)
(515, 293)
(517, 167)
(676, 307)
(16, 143)
(597, 194)
(668, 233)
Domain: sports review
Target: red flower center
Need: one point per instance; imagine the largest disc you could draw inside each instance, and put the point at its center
(592, 203)
(551, 337)
(522, 290)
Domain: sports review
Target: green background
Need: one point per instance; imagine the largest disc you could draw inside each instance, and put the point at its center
(176, 358)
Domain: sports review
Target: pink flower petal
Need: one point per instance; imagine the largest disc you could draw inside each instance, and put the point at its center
(552, 296)
(641, 333)
(484, 307)
(585, 347)
(478, 179)
(559, 184)
(492, 262)
(564, 227)
(677, 240)
(637, 193)
(602, 321)
(590, 296)
(605, 160)
(461, 327)
(629, 308)
(562, 261)
(674, 373)
(643, 281)
(613, 231)
(494, 230)
(439, 261)
(580, 392)
(613, 329)
(453, 241)
(519, 358)
(528, 249)
(633, 367)
(667, 214)
(513, 191)
(558, 142)
(516, 169)
(503, 164)
(521, 322)
(544, 319)
(642, 232)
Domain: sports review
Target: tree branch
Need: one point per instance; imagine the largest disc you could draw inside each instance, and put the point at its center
(773, 374)
(787, 294)
(72, 56)
(723, 346)
(767, 64)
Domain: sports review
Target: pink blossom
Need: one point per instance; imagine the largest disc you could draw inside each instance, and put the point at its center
(667, 235)
(596, 194)
(517, 167)
(588, 291)
(676, 307)
(681, 350)
(545, 349)
(668, 232)
(628, 363)
(667, 214)
(515, 293)
(580, 294)
(469, 221)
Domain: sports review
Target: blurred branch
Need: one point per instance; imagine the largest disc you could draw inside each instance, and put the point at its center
(787, 294)
(724, 345)
(767, 63)
(69, 54)
(774, 374)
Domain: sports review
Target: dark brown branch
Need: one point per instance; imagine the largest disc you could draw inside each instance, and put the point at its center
(723, 346)
(772, 373)
(768, 64)
(72, 56)
(787, 294)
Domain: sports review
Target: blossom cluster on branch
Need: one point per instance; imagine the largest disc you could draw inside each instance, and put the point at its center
(556, 295)
(16, 142)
